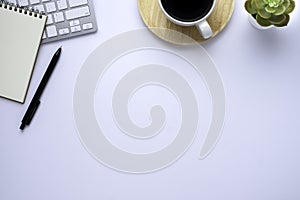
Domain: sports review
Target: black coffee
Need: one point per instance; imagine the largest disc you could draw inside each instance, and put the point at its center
(187, 10)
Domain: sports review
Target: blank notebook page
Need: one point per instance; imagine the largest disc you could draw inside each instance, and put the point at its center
(20, 38)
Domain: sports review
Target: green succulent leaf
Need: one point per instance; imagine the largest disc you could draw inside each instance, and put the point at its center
(277, 19)
(260, 4)
(253, 4)
(274, 3)
(291, 7)
(249, 8)
(264, 14)
(286, 3)
(270, 9)
(284, 22)
(261, 21)
(280, 10)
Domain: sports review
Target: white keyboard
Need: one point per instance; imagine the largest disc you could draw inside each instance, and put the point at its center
(66, 18)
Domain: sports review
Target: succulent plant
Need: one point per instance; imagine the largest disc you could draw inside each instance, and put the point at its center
(270, 12)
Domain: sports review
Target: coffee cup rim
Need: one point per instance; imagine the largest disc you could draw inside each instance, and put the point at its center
(183, 23)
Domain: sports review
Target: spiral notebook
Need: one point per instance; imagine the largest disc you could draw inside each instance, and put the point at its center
(21, 32)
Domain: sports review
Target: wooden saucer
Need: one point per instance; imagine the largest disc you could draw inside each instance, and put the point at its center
(154, 18)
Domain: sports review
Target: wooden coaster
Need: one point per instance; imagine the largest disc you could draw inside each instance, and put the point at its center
(154, 18)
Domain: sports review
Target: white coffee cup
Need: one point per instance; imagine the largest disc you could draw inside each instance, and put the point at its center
(200, 22)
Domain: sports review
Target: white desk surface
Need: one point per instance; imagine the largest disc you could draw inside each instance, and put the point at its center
(257, 157)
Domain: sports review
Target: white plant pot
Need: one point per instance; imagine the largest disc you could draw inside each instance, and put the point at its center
(256, 25)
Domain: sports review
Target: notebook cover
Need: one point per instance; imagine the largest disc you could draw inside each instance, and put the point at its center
(20, 37)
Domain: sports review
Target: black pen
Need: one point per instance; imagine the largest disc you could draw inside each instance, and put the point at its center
(35, 102)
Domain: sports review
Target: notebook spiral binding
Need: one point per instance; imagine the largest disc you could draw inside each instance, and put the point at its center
(21, 9)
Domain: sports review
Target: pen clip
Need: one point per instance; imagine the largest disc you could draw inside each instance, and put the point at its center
(32, 112)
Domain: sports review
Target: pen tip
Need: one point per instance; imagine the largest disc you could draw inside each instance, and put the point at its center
(58, 50)
(22, 126)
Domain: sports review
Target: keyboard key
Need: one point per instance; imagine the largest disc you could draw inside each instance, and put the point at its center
(51, 31)
(64, 31)
(34, 2)
(49, 19)
(23, 2)
(58, 17)
(40, 8)
(13, 1)
(74, 3)
(74, 22)
(50, 7)
(77, 12)
(87, 26)
(62, 4)
(75, 29)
